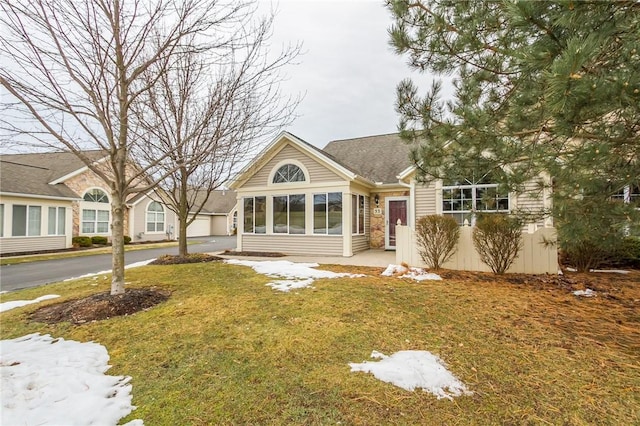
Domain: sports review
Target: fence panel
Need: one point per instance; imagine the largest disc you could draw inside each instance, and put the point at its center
(535, 256)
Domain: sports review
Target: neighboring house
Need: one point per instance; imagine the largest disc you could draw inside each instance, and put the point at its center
(218, 215)
(48, 198)
(349, 197)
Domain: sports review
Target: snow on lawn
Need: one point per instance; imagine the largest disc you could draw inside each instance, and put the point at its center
(417, 274)
(295, 275)
(414, 369)
(108, 271)
(19, 303)
(47, 381)
(585, 293)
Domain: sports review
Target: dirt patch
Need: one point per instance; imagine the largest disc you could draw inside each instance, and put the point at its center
(168, 259)
(100, 306)
(253, 253)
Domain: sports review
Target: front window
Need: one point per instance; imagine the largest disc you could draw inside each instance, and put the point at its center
(155, 217)
(629, 194)
(327, 213)
(289, 214)
(461, 200)
(56, 220)
(95, 221)
(1, 220)
(289, 173)
(26, 221)
(255, 215)
(357, 214)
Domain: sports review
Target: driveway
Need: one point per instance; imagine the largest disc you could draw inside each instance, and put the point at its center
(25, 275)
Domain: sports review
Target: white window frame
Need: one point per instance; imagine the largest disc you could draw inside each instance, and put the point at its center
(359, 222)
(155, 222)
(59, 221)
(326, 212)
(1, 220)
(253, 215)
(97, 207)
(474, 187)
(273, 216)
(28, 218)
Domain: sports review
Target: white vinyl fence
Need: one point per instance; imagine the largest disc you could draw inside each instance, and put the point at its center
(535, 257)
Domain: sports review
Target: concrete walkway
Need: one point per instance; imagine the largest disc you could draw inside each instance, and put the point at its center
(379, 258)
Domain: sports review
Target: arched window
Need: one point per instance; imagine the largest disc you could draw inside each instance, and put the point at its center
(289, 173)
(96, 195)
(155, 217)
(95, 218)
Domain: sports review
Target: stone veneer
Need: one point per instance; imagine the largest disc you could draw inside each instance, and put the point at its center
(377, 222)
(79, 184)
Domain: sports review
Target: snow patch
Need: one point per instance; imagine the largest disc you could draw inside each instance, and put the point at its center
(414, 369)
(19, 303)
(47, 381)
(108, 271)
(294, 275)
(417, 274)
(585, 293)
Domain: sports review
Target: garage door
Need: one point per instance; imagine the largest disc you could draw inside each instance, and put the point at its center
(199, 227)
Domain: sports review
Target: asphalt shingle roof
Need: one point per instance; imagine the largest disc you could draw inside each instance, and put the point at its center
(31, 173)
(378, 158)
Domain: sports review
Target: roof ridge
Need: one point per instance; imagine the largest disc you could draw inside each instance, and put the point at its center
(365, 137)
(22, 164)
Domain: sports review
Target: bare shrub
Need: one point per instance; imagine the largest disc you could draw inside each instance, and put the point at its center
(498, 239)
(437, 238)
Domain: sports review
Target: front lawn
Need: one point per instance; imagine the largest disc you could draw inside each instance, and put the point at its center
(227, 349)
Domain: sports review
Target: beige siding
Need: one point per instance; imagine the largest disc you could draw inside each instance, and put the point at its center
(531, 200)
(360, 243)
(219, 225)
(28, 244)
(425, 200)
(294, 244)
(317, 172)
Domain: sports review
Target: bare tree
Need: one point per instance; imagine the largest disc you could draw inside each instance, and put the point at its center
(208, 113)
(75, 69)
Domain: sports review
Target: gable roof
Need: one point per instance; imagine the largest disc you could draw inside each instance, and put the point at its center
(380, 158)
(219, 201)
(31, 174)
(274, 147)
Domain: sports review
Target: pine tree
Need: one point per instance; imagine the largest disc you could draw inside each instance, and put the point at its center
(541, 88)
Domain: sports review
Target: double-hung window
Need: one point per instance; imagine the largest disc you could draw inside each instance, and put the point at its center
(327, 213)
(461, 200)
(155, 217)
(26, 221)
(56, 220)
(357, 214)
(289, 214)
(255, 215)
(95, 218)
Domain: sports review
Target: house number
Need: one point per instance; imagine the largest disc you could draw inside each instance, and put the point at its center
(377, 211)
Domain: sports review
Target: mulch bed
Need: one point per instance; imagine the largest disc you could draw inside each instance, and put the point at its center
(100, 306)
(168, 259)
(252, 253)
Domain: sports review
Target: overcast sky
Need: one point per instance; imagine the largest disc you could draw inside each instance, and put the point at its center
(348, 73)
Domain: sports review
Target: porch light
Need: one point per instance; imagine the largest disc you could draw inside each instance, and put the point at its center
(376, 199)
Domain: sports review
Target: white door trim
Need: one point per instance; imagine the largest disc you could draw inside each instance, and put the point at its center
(387, 246)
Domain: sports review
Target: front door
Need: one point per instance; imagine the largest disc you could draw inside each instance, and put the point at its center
(396, 209)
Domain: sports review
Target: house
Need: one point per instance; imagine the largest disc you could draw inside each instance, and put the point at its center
(48, 198)
(218, 215)
(350, 196)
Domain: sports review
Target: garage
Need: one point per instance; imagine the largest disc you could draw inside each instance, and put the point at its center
(200, 227)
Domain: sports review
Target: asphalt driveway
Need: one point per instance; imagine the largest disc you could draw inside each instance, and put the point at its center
(25, 275)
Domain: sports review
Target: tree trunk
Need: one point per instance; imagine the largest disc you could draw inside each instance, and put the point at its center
(117, 244)
(183, 212)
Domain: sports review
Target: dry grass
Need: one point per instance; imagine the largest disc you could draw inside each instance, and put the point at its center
(226, 349)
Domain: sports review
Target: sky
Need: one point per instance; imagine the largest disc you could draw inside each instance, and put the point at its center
(348, 73)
